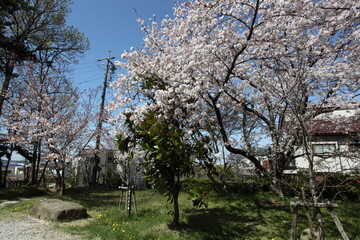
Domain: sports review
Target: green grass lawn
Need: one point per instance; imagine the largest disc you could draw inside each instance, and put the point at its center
(260, 216)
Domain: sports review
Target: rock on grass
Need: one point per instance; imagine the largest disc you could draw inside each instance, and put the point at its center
(56, 209)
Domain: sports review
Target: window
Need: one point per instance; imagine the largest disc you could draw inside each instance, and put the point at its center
(354, 146)
(324, 149)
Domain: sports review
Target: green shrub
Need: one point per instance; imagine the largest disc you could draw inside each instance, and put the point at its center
(199, 197)
(112, 178)
(337, 186)
(342, 186)
(247, 187)
(197, 183)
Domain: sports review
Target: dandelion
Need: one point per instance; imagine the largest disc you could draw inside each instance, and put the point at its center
(123, 230)
(114, 229)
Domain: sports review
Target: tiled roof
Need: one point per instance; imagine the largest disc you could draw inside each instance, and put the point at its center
(332, 127)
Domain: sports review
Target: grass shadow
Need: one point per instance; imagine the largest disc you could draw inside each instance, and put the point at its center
(240, 217)
(219, 223)
(13, 194)
(92, 197)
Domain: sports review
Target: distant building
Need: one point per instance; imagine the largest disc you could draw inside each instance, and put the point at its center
(107, 167)
(335, 140)
(15, 170)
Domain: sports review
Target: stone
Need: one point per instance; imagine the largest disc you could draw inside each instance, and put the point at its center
(56, 209)
(306, 235)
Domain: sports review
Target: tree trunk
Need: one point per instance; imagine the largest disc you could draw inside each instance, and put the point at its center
(1, 181)
(95, 170)
(42, 177)
(8, 155)
(33, 165)
(312, 185)
(62, 182)
(275, 186)
(175, 222)
(176, 190)
(9, 68)
(38, 160)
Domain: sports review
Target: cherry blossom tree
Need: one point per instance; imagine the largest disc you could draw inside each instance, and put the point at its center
(29, 28)
(269, 59)
(48, 119)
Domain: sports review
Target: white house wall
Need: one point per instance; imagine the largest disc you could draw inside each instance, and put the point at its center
(342, 161)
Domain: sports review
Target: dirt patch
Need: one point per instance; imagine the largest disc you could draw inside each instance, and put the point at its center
(30, 228)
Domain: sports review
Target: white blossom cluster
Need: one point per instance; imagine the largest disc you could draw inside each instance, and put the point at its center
(46, 111)
(221, 55)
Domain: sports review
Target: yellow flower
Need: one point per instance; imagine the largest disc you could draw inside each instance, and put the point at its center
(114, 229)
(123, 230)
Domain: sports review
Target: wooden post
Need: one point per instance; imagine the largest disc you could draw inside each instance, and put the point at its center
(133, 193)
(338, 224)
(122, 189)
(294, 206)
(294, 222)
(330, 206)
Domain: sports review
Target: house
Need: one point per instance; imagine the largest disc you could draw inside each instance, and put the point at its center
(15, 170)
(106, 167)
(335, 140)
(15, 173)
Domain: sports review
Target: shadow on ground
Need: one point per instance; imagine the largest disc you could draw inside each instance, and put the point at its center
(216, 223)
(16, 193)
(92, 197)
(239, 220)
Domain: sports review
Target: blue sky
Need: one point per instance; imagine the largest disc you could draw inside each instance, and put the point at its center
(110, 25)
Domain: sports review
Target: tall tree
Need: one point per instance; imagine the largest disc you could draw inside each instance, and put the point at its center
(272, 59)
(168, 155)
(49, 120)
(36, 26)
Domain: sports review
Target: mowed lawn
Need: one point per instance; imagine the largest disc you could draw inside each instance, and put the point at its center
(253, 216)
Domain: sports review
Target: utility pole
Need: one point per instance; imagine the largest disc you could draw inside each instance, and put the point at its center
(109, 65)
(96, 169)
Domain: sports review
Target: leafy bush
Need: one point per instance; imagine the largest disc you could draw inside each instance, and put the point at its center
(197, 183)
(250, 185)
(343, 186)
(247, 187)
(199, 197)
(112, 178)
(337, 186)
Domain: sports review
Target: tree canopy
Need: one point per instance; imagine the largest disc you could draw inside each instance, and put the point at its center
(36, 31)
(267, 60)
